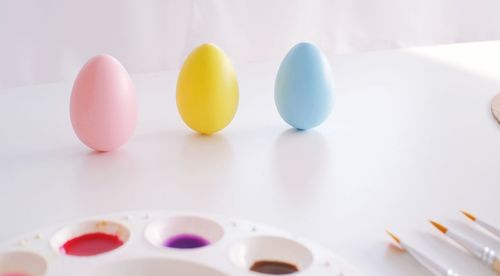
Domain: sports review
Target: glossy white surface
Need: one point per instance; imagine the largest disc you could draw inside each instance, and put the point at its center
(411, 137)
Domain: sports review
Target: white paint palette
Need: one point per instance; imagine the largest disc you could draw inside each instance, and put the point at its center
(233, 247)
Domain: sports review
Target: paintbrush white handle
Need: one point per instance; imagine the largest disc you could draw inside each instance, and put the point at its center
(473, 247)
(493, 230)
(428, 263)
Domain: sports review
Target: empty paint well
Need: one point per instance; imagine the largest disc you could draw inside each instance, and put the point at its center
(90, 238)
(186, 241)
(184, 232)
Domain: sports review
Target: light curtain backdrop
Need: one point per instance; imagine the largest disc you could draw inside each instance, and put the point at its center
(48, 40)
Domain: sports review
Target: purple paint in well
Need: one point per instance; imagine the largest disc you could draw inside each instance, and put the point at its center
(186, 241)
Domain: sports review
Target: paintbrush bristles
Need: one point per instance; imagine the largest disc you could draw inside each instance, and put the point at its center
(469, 215)
(394, 237)
(439, 226)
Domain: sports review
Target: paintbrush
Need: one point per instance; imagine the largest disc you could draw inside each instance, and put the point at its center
(484, 253)
(490, 228)
(423, 260)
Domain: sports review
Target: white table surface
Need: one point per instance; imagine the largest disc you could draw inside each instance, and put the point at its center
(411, 137)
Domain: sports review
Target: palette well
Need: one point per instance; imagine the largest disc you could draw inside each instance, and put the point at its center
(161, 243)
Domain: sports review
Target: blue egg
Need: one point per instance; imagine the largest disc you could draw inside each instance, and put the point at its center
(303, 90)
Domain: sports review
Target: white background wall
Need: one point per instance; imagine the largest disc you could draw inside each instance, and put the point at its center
(49, 40)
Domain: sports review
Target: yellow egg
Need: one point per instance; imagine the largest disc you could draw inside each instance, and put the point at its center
(207, 90)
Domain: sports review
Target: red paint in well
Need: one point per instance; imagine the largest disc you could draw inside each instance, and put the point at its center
(91, 244)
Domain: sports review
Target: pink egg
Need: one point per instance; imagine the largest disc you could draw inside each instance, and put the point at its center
(103, 104)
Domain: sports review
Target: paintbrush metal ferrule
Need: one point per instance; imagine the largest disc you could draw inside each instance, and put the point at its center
(483, 253)
(488, 255)
(491, 258)
(451, 273)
